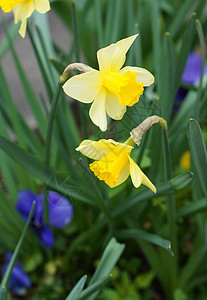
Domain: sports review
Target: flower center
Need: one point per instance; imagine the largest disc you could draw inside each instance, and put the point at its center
(7, 6)
(124, 86)
(110, 166)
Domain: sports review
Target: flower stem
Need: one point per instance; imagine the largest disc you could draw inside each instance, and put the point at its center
(77, 55)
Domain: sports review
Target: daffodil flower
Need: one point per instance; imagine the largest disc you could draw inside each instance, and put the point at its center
(111, 88)
(23, 9)
(113, 163)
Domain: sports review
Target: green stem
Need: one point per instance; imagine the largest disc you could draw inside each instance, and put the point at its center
(77, 55)
(55, 101)
(16, 251)
(75, 27)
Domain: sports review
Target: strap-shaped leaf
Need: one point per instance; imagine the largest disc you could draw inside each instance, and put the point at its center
(76, 291)
(198, 152)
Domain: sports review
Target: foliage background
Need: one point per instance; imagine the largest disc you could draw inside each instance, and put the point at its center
(147, 224)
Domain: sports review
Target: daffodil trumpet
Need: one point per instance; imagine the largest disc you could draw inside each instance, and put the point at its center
(111, 88)
(23, 9)
(113, 163)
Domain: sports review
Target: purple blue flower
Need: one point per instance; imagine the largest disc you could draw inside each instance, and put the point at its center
(191, 75)
(59, 208)
(19, 281)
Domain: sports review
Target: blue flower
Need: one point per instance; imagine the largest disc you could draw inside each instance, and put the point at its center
(19, 281)
(60, 213)
(191, 75)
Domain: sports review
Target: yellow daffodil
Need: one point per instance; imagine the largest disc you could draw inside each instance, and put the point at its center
(111, 88)
(113, 163)
(185, 160)
(23, 9)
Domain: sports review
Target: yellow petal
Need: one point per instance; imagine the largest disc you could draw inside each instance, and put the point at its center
(147, 182)
(113, 108)
(42, 6)
(7, 6)
(105, 57)
(23, 10)
(138, 177)
(97, 111)
(23, 27)
(120, 54)
(84, 87)
(96, 150)
(143, 75)
(123, 175)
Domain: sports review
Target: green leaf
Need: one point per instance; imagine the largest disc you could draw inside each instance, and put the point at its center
(198, 152)
(95, 287)
(137, 234)
(62, 183)
(181, 16)
(7, 274)
(185, 49)
(76, 291)
(109, 258)
(168, 73)
(32, 99)
(192, 208)
(3, 293)
(175, 184)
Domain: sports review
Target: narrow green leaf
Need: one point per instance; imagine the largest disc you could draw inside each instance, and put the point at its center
(3, 293)
(7, 274)
(76, 291)
(109, 258)
(198, 152)
(13, 32)
(94, 288)
(181, 16)
(167, 75)
(62, 183)
(155, 23)
(189, 269)
(137, 234)
(192, 208)
(203, 51)
(32, 99)
(185, 49)
(175, 184)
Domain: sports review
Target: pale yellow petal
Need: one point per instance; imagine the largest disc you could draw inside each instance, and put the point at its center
(97, 111)
(120, 54)
(42, 6)
(138, 177)
(23, 10)
(143, 75)
(105, 57)
(84, 87)
(147, 182)
(113, 108)
(23, 27)
(123, 175)
(96, 150)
